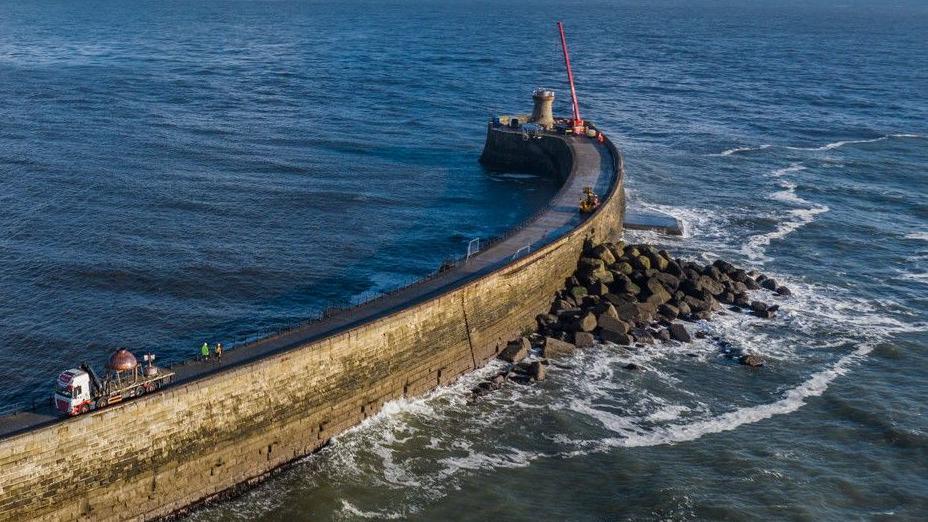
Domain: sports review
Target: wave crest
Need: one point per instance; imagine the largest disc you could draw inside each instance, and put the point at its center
(755, 247)
(827, 146)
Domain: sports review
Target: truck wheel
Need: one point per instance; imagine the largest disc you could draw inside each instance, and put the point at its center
(102, 403)
(139, 390)
(83, 409)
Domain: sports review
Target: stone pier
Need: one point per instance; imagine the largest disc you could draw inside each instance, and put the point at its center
(284, 397)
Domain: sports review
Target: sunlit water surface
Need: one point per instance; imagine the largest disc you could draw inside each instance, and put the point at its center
(179, 171)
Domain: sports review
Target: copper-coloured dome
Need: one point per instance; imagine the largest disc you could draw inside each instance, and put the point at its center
(122, 360)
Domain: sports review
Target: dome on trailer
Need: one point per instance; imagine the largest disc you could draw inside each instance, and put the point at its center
(122, 360)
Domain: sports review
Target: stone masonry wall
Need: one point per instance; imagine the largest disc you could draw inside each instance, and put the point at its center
(152, 456)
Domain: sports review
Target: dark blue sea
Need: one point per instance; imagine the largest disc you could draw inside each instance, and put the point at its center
(174, 172)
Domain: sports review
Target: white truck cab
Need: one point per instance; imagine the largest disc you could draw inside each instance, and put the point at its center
(72, 392)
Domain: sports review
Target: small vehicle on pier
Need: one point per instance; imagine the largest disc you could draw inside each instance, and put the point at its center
(590, 201)
(79, 390)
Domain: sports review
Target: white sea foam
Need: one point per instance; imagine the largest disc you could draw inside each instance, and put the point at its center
(917, 277)
(710, 230)
(349, 509)
(755, 247)
(696, 222)
(791, 401)
(788, 194)
(737, 150)
(795, 167)
(827, 146)
(476, 460)
(812, 308)
(838, 144)
(921, 235)
(667, 413)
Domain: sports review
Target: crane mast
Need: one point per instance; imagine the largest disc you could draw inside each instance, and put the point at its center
(577, 121)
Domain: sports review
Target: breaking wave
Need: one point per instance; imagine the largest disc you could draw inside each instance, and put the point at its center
(792, 400)
(738, 150)
(915, 277)
(795, 167)
(348, 508)
(755, 247)
(838, 144)
(827, 146)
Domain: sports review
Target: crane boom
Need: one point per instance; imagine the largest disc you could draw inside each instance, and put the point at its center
(578, 122)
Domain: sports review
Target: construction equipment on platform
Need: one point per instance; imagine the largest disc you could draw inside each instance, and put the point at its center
(577, 122)
(79, 390)
(590, 201)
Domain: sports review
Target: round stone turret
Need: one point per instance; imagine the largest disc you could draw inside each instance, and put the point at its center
(542, 114)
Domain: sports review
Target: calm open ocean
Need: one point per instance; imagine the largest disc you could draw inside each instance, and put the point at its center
(181, 171)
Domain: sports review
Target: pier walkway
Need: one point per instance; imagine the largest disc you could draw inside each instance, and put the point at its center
(594, 166)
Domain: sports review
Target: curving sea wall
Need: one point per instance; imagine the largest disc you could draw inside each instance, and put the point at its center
(155, 455)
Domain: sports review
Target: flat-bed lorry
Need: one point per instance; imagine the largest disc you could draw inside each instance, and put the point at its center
(79, 390)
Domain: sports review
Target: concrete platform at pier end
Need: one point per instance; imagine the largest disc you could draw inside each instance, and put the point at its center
(651, 220)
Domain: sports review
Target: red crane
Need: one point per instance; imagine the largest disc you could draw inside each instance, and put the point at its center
(577, 120)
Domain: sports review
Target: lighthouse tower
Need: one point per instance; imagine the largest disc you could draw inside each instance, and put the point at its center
(542, 114)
